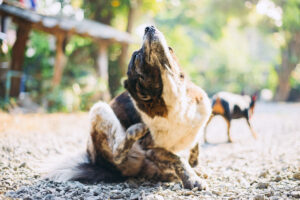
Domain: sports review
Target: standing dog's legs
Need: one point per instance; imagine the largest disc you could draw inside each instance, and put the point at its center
(184, 171)
(228, 130)
(205, 129)
(251, 129)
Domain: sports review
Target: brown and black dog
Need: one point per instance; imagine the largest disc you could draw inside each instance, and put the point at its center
(232, 106)
(152, 129)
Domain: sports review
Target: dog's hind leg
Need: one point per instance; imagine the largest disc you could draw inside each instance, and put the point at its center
(105, 132)
(96, 163)
(184, 171)
(251, 129)
(205, 128)
(108, 137)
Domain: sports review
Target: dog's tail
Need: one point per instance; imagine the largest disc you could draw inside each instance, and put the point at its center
(80, 168)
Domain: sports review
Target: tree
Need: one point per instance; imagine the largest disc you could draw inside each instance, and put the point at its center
(290, 51)
(134, 5)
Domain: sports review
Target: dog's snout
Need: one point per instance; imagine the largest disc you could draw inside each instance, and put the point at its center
(149, 29)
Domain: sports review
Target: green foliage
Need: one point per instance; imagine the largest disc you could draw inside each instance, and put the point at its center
(79, 86)
(221, 44)
(291, 16)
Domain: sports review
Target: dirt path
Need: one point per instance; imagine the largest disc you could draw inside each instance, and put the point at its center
(268, 168)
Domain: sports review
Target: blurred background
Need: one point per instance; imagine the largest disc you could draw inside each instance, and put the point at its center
(64, 55)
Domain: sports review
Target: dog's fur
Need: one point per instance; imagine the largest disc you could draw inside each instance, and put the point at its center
(152, 129)
(232, 106)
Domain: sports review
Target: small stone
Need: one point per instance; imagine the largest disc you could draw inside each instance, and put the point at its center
(295, 194)
(297, 176)
(117, 196)
(207, 193)
(275, 198)
(155, 197)
(176, 187)
(22, 165)
(264, 174)
(216, 192)
(244, 182)
(269, 194)
(132, 184)
(134, 196)
(189, 192)
(278, 178)
(49, 197)
(262, 185)
(259, 197)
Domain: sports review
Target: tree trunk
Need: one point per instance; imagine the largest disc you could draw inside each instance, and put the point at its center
(60, 60)
(290, 57)
(18, 53)
(134, 6)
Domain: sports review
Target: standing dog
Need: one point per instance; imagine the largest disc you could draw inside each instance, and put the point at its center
(232, 106)
(152, 129)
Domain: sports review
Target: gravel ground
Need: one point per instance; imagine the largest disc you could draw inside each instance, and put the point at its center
(268, 168)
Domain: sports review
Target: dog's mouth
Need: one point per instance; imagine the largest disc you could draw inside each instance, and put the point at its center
(155, 48)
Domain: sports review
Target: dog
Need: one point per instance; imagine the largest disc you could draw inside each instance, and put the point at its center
(232, 106)
(150, 130)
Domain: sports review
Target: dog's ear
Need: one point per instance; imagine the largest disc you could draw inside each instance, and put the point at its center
(125, 83)
(254, 96)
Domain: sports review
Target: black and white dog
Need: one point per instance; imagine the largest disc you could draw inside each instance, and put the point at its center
(232, 106)
(152, 129)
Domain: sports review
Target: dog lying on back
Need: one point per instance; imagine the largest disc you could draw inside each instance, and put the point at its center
(232, 106)
(152, 129)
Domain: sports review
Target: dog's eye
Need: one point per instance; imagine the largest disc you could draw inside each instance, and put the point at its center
(144, 97)
(181, 75)
(141, 77)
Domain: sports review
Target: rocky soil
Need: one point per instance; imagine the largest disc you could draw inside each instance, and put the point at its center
(267, 168)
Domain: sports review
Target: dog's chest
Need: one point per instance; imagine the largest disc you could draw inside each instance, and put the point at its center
(178, 131)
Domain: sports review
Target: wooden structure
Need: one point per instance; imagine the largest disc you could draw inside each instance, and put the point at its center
(61, 28)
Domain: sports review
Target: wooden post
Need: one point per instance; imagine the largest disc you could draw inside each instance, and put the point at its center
(18, 53)
(102, 67)
(60, 59)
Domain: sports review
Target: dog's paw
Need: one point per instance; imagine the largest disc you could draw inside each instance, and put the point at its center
(136, 131)
(195, 182)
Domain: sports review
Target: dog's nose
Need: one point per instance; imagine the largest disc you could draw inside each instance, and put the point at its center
(149, 28)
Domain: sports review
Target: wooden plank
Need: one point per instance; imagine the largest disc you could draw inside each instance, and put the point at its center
(102, 67)
(60, 60)
(54, 24)
(18, 53)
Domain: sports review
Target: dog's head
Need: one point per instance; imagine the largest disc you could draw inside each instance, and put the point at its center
(148, 70)
(252, 105)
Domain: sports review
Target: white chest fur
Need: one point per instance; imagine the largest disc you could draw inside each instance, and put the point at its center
(180, 130)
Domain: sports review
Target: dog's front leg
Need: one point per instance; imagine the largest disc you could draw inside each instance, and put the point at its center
(182, 168)
(133, 133)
